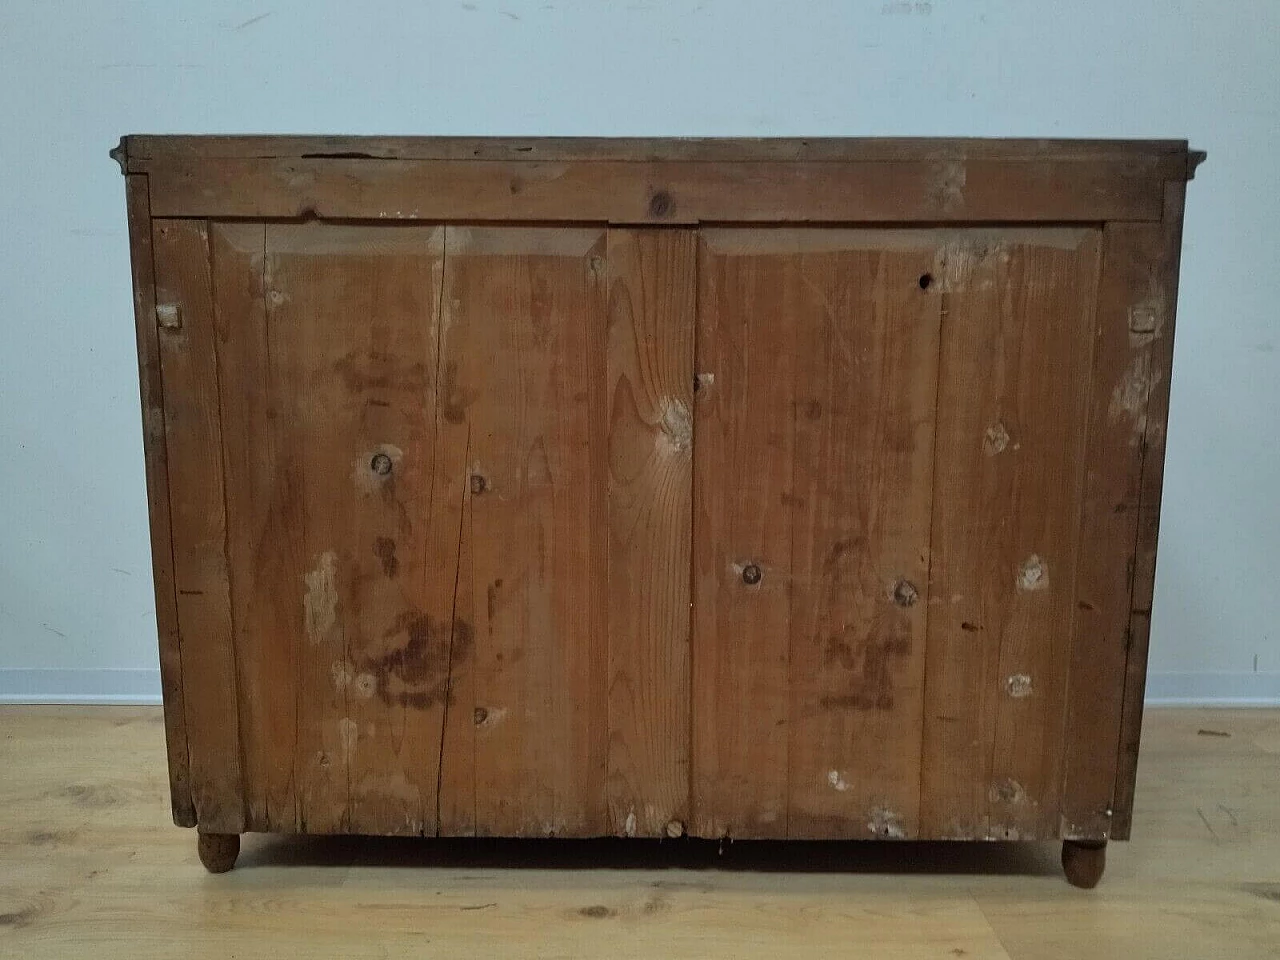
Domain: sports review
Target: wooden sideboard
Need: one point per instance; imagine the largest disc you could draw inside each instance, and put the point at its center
(728, 488)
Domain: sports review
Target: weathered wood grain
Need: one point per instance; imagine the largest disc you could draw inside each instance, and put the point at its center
(327, 334)
(524, 361)
(660, 192)
(1165, 271)
(193, 441)
(652, 305)
(1016, 340)
(743, 424)
(866, 340)
(151, 391)
(1164, 158)
(813, 446)
(1129, 408)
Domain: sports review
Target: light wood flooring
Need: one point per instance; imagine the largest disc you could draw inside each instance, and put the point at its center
(92, 869)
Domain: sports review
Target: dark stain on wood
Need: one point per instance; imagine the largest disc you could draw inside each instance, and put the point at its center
(841, 549)
(661, 204)
(18, 918)
(384, 548)
(365, 372)
(597, 912)
(1267, 891)
(453, 399)
(871, 666)
(416, 675)
(90, 796)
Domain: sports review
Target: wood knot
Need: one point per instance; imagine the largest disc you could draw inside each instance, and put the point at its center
(661, 204)
(905, 593)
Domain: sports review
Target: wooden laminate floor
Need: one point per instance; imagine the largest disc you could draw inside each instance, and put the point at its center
(90, 867)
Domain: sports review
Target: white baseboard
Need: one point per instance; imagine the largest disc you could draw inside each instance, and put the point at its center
(102, 685)
(1213, 690)
(116, 685)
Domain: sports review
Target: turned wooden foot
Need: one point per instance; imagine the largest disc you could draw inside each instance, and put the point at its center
(1083, 862)
(218, 851)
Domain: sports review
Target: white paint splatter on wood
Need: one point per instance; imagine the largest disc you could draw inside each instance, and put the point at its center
(995, 439)
(1007, 791)
(1018, 686)
(320, 602)
(675, 434)
(1129, 399)
(948, 186)
(348, 734)
(885, 823)
(629, 826)
(341, 671)
(838, 782)
(1033, 575)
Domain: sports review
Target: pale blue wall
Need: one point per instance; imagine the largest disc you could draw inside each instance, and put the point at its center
(74, 571)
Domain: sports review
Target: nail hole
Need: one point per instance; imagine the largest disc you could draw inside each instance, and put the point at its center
(926, 281)
(751, 574)
(380, 464)
(478, 484)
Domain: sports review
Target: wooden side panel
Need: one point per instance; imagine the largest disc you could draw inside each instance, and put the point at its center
(652, 304)
(1012, 399)
(151, 390)
(1129, 407)
(328, 339)
(523, 393)
(193, 439)
(816, 351)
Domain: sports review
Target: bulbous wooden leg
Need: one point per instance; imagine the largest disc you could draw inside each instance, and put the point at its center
(218, 851)
(1083, 862)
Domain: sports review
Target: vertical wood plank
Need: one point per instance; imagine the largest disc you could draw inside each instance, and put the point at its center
(742, 526)
(193, 441)
(866, 339)
(1129, 409)
(1015, 361)
(265, 648)
(151, 391)
(523, 385)
(327, 333)
(652, 303)
(814, 442)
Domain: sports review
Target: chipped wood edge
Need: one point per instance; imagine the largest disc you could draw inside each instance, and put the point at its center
(157, 472)
(1152, 481)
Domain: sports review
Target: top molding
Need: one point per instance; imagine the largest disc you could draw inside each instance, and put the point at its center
(658, 181)
(150, 147)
